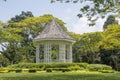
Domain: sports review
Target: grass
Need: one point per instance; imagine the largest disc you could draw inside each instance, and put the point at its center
(60, 76)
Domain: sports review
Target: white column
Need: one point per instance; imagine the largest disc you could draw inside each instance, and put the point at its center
(47, 52)
(70, 53)
(68, 50)
(37, 54)
(50, 52)
(62, 53)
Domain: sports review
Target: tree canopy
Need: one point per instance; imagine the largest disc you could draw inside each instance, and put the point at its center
(93, 9)
(110, 20)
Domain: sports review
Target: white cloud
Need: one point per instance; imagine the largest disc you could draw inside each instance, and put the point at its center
(81, 26)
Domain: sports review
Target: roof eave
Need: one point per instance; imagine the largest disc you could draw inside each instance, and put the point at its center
(45, 39)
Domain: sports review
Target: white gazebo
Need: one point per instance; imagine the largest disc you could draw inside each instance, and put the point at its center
(53, 44)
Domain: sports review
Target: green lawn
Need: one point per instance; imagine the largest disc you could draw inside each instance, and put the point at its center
(60, 76)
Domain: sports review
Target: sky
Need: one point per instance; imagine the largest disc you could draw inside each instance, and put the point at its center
(67, 12)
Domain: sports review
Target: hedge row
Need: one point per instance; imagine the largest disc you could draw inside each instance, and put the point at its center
(18, 70)
(98, 67)
(49, 67)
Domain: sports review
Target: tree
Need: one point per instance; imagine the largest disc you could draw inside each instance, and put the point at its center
(94, 9)
(110, 20)
(1, 23)
(110, 46)
(86, 49)
(9, 43)
(11, 38)
(3, 61)
(22, 16)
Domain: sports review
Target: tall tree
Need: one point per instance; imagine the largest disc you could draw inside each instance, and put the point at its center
(22, 16)
(11, 38)
(9, 42)
(110, 46)
(110, 20)
(86, 49)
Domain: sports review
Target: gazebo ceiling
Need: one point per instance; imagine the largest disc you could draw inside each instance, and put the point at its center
(53, 31)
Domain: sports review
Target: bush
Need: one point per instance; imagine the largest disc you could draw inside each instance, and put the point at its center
(82, 65)
(32, 70)
(65, 69)
(74, 67)
(18, 70)
(49, 70)
(56, 69)
(58, 66)
(4, 70)
(98, 67)
(25, 69)
(11, 69)
(44, 66)
(106, 71)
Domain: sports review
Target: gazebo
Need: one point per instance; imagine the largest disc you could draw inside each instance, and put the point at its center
(53, 44)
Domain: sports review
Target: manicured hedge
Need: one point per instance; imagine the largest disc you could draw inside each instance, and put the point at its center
(98, 67)
(32, 70)
(58, 69)
(18, 70)
(44, 66)
(49, 67)
(106, 71)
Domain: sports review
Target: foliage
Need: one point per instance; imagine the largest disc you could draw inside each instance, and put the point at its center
(110, 20)
(75, 68)
(110, 46)
(106, 71)
(98, 67)
(1, 24)
(3, 61)
(18, 70)
(4, 70)
(94, 9)
(86, 49)
(49, 70)
(74, 35)
(21, 16)
(44, 66)
(32, 70)
(62, 66)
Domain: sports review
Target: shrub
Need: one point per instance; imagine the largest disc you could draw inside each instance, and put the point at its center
(49, 70)
(25, 69)
(18, 70)
(44, 66)
(83, 65)
(74, 67)
(56, 69)
(32, 70)
(65, 69)
(105, 67)
(61, 69)
(58, 66)
(98, 67)
(4, 70)
(106, 71)
(11, 69)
